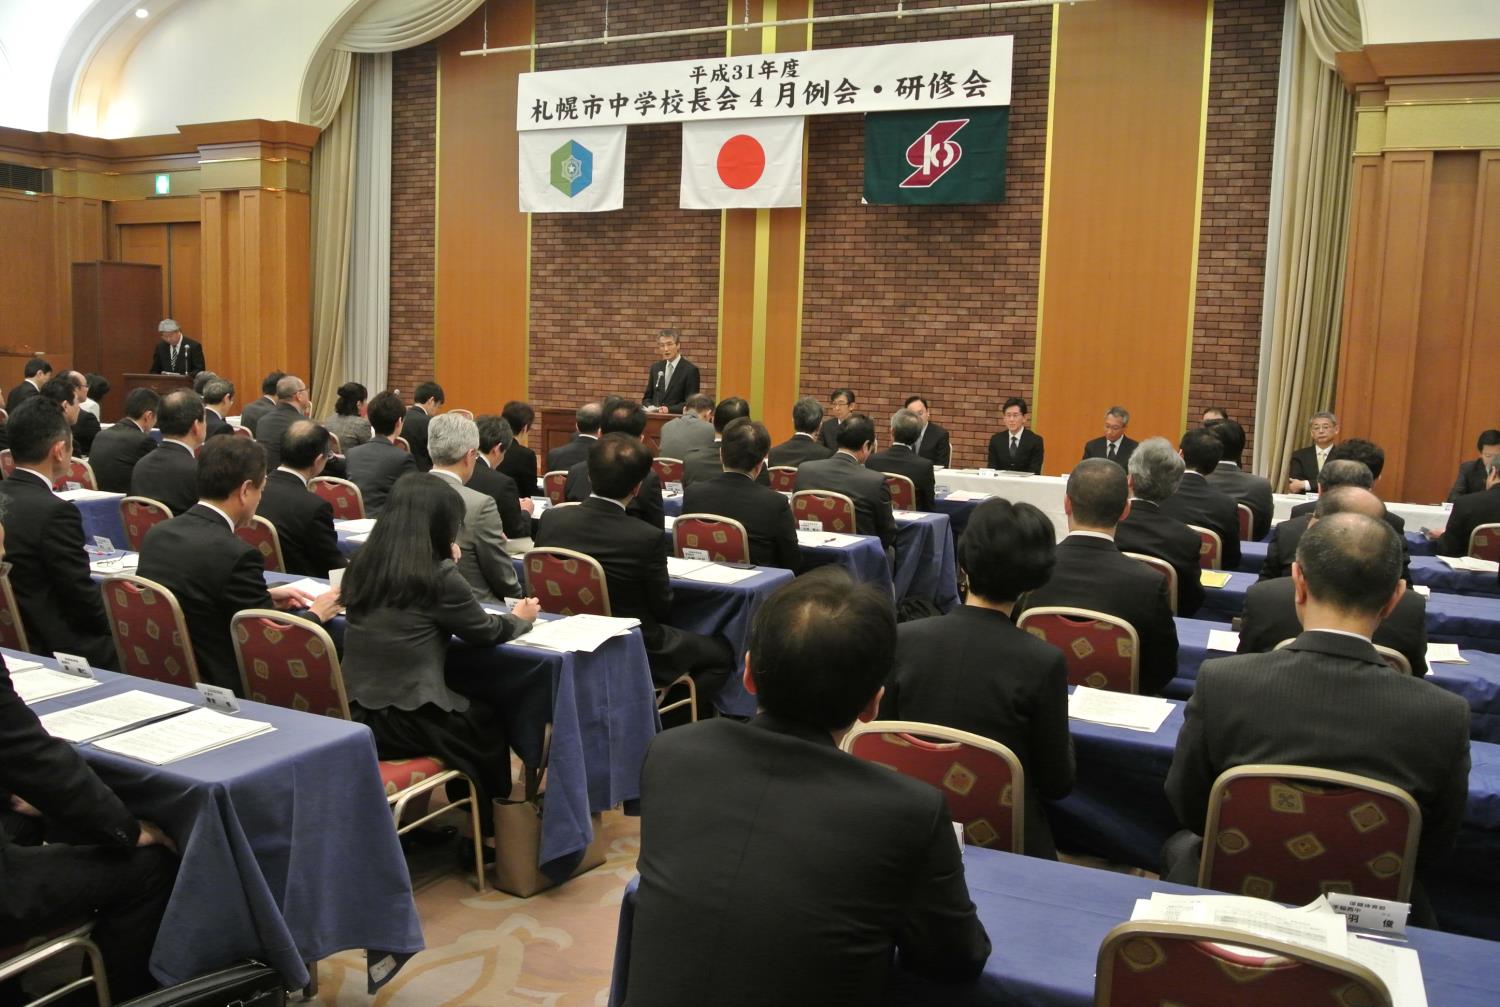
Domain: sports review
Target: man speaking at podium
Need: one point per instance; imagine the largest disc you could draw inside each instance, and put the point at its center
(673, 378)
(176, 353)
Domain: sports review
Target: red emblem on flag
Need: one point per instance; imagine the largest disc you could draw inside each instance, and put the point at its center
(933, 153)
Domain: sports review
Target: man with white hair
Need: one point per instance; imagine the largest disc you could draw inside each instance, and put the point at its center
(1155, 470)
(453, 443)
(176, 353)
(1114, 445)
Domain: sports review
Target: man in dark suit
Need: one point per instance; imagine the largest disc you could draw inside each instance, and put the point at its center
(845, 473)
(1474, 473)
(292, 404)
(60, 605)
(170, 473)
(175, 353)
(218, 402)
(634, 556)
(672, 378)
(693, 429)
(85, 424)
(1281, 547)
(515, 512)
(251, 414)
(303, 520)
(776, 869)
(933, 443)
(1307, 463)
(1155, 472)
(1234, 482)
(622, 417)
(100, 863)
(212, 572)
(586, 423)
(426, 400)
(520, 461)
(375, 465)
(117, 449)
(36, 373)
(1471, 511)
(840, 401)
(1016, 448)
(804, 445)
(1114, 445)
(704, 462)
(1091, 572)
(734, 493)
(1293, 706)
(1198, 503)
(902, 459)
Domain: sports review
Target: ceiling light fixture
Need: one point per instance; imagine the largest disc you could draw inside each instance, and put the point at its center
(142, 12)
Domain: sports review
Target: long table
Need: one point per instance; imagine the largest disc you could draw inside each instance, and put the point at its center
(1046, 921)
(101, 514)
(288, 850)
(1426, 571)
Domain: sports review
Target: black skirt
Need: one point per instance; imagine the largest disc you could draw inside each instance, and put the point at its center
(471, 741)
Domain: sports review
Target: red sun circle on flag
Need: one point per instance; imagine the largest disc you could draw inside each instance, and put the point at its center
(742, 161)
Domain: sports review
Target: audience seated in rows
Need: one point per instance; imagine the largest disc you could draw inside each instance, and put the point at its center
(520, 461)
(170, 473)
(426, 400)
(703, 462)
(117, 449)
(845, 473)
(622, 416)
(693, 429)
(515, 510)
(348, 422)
(901, 458)
(303, 520)
(1281, 547)
(376, 465)
(586, 423)
(1155, 473)
(1234, 482)
(251, 414)
(85, 424)
(453, 442)
(293, 400)
(805, 444)
(735, 493)
(218, 404)
(1196, 502)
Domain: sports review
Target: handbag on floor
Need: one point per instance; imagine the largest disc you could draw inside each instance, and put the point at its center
(518, 841)
(248, 983)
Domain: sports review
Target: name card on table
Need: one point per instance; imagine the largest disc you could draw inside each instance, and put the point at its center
(1378, 915)
(218, 698)
(700, 554)
(103, 544)
(74, 665)
(809, 525)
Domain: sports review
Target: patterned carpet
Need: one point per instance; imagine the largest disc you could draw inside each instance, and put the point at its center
(554, 949)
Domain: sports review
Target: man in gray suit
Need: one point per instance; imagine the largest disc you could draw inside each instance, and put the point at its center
(1234, 482)
(693, 429)
(1327, 700)
(845, 473)
(453, 443)
(804, 445)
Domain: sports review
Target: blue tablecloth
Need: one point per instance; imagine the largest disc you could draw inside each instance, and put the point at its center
(726, 610)
(925, 563)
(864, 561)
(958, 511)
(1472, 623)
(288, 850)
(102, 517)
(1426, 570)
(1223, 604)
(1046, 921)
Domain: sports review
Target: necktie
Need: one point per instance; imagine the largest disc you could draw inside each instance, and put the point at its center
(1015, 442)
(174, 357)
(1111, 454)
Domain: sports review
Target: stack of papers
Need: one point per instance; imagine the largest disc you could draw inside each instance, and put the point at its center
(962, 495)
(576, 632)
(306, 585)
(708, 572)
(1471, 564)
(197, 731)
(34, 683)
(1444, 653)
(124, 563)
(106, 716)
(1213, 578)
(817, 538)
(86, 494)
(1118, 709)
(1225, 640)
(906, 515)
(357, 526)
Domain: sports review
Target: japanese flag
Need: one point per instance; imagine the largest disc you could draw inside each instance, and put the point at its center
(728, 163)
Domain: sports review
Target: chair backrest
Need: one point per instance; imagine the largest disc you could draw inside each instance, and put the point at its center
(982, 780)
(1484, 542)
(903, 491)
(465, 413)
(724, 539)
(139, 515)
(554, 485)
(1210, 547)
(12, 629)
(80, 472)
(288, 662)
(1390, 655)
(334, 444)
(668, 470)
(151, 636)
(7, 463)
(834, 511)
(1102, 651)
(566, 582)
(402, 443)
(1292, 833)
(1247, 521)
(1166, 569)
(1147, 962)
(245, 432)
(261, 533)
(346, 498)
(783, 478)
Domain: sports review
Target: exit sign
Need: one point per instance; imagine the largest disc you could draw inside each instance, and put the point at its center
(163, 185)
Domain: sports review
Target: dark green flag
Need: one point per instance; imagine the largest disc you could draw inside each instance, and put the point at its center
(936, 156)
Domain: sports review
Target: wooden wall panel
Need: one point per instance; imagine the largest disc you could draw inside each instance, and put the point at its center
(147, 243)
(1123, 181)
(26, 283)
(1361, 305)
(185, 288)
(1482, 316)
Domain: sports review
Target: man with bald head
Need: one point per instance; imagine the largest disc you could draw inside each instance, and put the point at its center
(303, 520)
(1327, 700)
(293, 400)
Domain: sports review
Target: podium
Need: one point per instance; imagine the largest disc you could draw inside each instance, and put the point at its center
(116, 308)
(161, 384)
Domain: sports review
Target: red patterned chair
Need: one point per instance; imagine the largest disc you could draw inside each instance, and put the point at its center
(668, 470)
(724, 539)
(151, 636)
(1247, 521)
(402, 443)
(554, 485)
(80, 472)
(566, 582)
(1102, 651)
(346, 498)
(465, 413)
(903, 491)
(19, 959)
(292, 663)
(245, 432)
(7, 463)
(139, 515)
(981, 779)
(834, 511)
(1484, 542)
(1292, 833)
(334, 444)
(12, 630)
(1164, 568)
(1392, 657)
(262, 534)
(1146, 964)
(1210, 548)
(783, 478)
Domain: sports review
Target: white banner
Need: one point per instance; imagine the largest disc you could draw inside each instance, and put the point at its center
(732, 164)
(951, 74)
(573, 170)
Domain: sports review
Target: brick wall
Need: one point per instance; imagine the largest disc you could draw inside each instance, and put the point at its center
(937, 300)
(413, 215)
(1236, 202)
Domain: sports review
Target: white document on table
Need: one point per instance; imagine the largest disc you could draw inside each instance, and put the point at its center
(1226, 640)
(718, 573)
(677, 566)
(966, 495)
(829, 538)
(1423, 590)
(669, 521)
(575, 633)
(197, 731)
(1400, 968)
(36, 683)
(87, 494)
(358, 525)
(118, 564)
(906, 515)
(103, 716)
(1470, 564)
(1118, 709)
(1444, 653)
(306, 585)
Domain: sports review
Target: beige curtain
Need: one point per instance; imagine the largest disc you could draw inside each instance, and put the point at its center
(1301, 364)
(332, 226)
